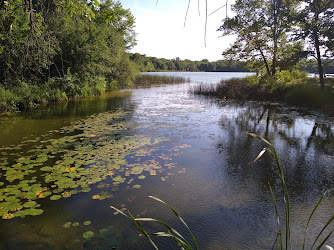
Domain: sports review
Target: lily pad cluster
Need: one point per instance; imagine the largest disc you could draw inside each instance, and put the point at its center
(72, 160)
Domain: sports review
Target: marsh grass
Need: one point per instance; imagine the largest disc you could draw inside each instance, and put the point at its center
(146, 80)
(240, 89)
(292, 89)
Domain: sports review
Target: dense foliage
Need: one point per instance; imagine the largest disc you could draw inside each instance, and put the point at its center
(53, 50)
(274, 35)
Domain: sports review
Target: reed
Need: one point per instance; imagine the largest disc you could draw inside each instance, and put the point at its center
(142, 80)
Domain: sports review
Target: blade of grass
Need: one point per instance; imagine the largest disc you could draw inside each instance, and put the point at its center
(179, 217)
(180, 242)
(259, 137)
(324, 227)
(286, 197)
(164, 224)
(259, 155)
(278, 221)
(141, 229)
(324, 241)
(310, 217)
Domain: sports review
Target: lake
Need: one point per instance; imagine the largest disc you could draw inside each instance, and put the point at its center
(63, 165)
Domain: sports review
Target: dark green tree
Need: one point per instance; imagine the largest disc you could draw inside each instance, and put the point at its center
(315, 20)
(262, 31)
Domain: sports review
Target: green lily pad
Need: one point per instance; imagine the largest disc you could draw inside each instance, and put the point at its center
(88, 235)
(137, 186)
(75, 224)
(33, 211)
(55, 197)
(30, 204)
(67, 225)
(86, 223)
(86, 190)
(75, 241)
(46, 169)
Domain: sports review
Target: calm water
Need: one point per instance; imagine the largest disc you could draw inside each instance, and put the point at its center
(198, 151)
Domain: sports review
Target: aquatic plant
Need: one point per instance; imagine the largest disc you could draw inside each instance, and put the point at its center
(95, 151)
(171, 232)
(287, 244)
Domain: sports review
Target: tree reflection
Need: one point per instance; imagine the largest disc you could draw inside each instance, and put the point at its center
(304, 146)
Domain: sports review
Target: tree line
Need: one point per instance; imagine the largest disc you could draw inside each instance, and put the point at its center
(151, 64)
(147, 64)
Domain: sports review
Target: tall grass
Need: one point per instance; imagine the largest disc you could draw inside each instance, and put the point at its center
(240, 89)
(142, 80)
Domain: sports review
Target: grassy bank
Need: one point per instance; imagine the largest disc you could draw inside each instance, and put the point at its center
(292, 88)
(27, 95)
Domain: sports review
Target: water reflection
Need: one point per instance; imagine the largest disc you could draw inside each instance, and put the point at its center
(304, 141)
(29, 125)
(305, 145)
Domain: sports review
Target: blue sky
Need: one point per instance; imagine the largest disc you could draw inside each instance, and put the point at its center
(161, 32)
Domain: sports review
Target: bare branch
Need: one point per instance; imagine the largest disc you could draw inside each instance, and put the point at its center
(185, 18)
(206, 20)
(217, 9)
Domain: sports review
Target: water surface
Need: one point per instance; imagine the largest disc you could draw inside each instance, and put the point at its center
(196, 152)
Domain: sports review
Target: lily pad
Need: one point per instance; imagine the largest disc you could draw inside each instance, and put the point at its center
(33, 211)
(55, 197)
(88, 235)
(86, 223)
(104, 231)
(75, 241)
(75, 224)
(30, 204)
(67, 225)
(86, 190)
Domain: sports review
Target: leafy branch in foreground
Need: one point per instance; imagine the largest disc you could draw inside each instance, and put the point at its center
(171, 232)
(272, 151)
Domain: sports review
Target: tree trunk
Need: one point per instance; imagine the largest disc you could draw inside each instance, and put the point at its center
(320, 67)
(265, 61)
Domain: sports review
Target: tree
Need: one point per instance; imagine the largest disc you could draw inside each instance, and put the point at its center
(262, 31)
(315, 21)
